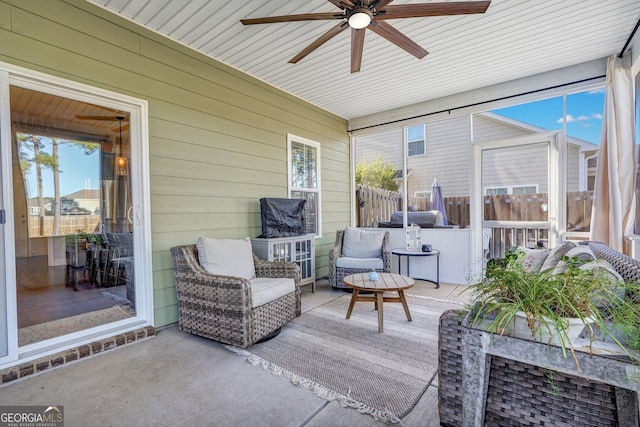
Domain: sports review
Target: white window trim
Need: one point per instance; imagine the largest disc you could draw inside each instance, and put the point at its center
(424, 140)
(510, 188)
(422, 193)
(140, 189)
(294, 138)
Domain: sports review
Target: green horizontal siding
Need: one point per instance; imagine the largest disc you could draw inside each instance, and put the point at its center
(217, 137)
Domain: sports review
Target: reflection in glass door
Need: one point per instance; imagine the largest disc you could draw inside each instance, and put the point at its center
(72, 200)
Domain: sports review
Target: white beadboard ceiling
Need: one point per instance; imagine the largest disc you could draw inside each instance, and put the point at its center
(513, 39)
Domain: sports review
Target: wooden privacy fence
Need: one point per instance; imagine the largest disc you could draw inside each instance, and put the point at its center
(377, 205)
(70, 224)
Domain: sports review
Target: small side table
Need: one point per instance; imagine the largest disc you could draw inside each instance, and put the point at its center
(400, 252)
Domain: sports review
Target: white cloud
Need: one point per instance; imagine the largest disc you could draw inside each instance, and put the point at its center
(571, 119)
(596, 116)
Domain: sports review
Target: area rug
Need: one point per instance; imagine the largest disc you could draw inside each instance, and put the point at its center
(60, 327)
(381, 374)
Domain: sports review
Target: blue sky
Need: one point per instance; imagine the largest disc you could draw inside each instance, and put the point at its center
(584, 114)
(78, 171)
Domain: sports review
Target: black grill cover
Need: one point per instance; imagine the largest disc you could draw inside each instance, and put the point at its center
(282, 217)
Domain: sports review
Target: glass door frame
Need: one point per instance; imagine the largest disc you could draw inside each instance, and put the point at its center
(556, 178)
(8, 298)
(141, 212)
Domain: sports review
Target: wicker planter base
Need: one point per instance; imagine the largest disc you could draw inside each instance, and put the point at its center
(517, 393)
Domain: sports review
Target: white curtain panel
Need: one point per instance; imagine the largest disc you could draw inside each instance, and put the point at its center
(613, 202)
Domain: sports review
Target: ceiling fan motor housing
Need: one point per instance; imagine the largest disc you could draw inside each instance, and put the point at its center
(360, 18)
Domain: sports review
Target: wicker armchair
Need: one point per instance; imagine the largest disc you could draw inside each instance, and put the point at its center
(338, 273)
(220, 307)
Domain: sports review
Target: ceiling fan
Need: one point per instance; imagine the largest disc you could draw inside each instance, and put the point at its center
(372, 14)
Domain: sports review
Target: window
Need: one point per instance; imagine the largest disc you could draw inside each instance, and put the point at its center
(423, 194)
(496, 191)
(524, 189)
(513, 189)
(304, 178)
(416, 141)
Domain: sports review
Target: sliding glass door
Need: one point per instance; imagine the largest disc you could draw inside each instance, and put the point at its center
(75, 191)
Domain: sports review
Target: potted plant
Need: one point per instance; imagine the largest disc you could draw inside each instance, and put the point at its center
(547, 303)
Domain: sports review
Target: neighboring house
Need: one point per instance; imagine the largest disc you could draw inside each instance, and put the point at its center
(83, 202)
(446, 154)
(34, 208)
(88, 200)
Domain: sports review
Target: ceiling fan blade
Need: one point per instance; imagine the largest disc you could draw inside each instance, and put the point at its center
(381, 4)
(396, 37)
(357, 46)
(292, 18)
(342, 3)
(107, 118)
(320, 41)
(433, 9)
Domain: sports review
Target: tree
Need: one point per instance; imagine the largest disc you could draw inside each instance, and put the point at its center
(378, 174)
(34, 143)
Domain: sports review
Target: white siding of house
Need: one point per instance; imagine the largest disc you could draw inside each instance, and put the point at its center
(387, 145)
(486, 129)
(573, 168)
(516, 166)
(447, 156)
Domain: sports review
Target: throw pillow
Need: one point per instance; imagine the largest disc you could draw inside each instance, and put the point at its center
(533, 258)
(358, 243)
(615, 282)
(227, 257)
(581, 252)
(556, 255)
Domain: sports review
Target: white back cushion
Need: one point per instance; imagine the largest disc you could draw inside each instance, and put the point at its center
(358, 243)
(227, 257)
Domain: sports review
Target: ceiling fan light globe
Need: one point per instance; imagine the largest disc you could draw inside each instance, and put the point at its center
(360, 19)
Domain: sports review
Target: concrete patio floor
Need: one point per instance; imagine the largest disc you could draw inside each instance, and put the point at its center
(178, 379)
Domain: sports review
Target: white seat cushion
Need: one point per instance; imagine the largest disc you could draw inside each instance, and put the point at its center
(227, 257)
(357, 243)
(362, 263)
(267, 289)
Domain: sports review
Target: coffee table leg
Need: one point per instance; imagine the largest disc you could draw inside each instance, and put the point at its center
(379, 300)
(404, 305)
(354, 297)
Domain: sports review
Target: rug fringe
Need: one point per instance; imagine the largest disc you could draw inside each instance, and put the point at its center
(321, 391)
(435, 299)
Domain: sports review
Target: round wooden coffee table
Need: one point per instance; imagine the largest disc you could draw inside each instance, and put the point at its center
(387, 282)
